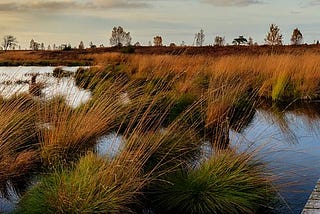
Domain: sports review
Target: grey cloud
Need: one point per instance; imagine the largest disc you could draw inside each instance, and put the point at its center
(72, 4)
(228, 3)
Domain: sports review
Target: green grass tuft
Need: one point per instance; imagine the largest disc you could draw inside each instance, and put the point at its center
(227, 183)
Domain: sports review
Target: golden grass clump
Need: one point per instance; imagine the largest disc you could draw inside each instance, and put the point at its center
(71, 131)
(18, 142)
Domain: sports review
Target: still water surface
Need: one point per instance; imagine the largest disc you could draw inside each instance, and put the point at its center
(290, 143)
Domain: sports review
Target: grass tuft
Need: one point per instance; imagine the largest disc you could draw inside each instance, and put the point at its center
(227, 183)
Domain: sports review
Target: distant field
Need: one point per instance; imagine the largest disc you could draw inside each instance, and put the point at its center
(86, 56)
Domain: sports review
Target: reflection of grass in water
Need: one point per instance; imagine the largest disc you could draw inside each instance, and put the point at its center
(292, 157)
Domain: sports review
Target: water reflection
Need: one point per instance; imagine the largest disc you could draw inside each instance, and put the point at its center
(38, 81)
(7, 205)
(41, 82)
(288, 139)
(110, 145)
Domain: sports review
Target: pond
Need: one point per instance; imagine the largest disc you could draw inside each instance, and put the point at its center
(287, 139)
(289, 142)
(17, 80)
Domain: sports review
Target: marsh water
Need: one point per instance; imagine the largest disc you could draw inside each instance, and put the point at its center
(17, 80)
(287, 139)
(289, 142)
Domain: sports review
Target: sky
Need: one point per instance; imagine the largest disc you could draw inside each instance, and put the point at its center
(72, 21)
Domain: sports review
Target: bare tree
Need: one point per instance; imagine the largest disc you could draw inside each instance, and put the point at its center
(274, 37)
(297, 37)
(157, 41)
(219, 41)
(199, 38)
(119, 37)
(81, 45)
(9, 42)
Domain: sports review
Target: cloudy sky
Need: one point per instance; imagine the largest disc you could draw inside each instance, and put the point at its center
(70, 21)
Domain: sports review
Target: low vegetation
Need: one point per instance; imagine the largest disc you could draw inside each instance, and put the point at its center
(168, 109)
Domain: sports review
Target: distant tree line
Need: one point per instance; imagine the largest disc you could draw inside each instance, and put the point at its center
(121, 38)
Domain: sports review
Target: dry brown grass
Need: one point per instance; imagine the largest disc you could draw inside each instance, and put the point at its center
(71, 131)
(219, 85)
(265, 73)
(18, 130)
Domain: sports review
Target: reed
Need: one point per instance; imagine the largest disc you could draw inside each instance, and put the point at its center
(96, 184)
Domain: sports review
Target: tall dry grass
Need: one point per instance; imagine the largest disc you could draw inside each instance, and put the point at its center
(225, 83)
(71, 132)
(18, 143)
(165, 107)
(270, 75)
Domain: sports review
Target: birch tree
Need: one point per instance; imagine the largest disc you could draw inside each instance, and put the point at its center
(274, 37)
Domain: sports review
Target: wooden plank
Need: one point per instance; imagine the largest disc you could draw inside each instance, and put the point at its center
(313, 204)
